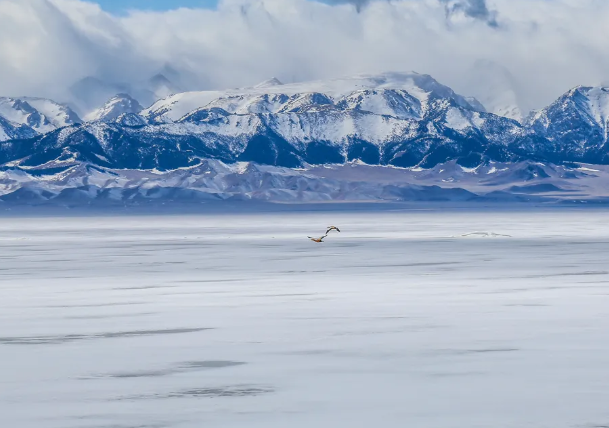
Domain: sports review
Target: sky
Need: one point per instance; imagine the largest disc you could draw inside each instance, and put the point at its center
(527, 51)
(123, 6)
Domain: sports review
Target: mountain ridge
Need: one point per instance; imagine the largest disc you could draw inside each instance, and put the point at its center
(212, 181)
(405, 120)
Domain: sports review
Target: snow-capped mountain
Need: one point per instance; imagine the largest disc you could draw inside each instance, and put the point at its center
(114, 108)
(40, 114)
(577, 124)
(273, 97)
(401, 119)
(404, 120)
(290, 139)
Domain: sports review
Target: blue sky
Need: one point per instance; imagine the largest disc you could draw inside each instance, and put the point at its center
(120, 6)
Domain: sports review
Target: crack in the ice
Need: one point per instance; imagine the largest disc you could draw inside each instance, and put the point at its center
(178, 368)
(472, 351)
(210, 392)
(47, 340)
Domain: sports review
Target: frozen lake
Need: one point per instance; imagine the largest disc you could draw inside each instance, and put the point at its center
(240, 321)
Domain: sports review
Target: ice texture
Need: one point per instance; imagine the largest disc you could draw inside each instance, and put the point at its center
(415, 318)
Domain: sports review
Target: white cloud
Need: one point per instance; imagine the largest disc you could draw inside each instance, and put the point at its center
(547, 46)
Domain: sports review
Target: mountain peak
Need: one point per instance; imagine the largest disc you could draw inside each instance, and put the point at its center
(115, 107)
(273, 81)
(40, 114)
(577, 120)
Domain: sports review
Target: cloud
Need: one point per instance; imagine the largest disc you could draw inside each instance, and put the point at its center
(545, 46)
(476, 9)
(359, 4)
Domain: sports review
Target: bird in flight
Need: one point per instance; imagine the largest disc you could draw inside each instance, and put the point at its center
(322, 238)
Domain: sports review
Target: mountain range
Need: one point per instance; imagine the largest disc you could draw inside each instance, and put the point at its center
(272, 140)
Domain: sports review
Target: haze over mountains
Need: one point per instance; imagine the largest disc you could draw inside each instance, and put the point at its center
(404, 120)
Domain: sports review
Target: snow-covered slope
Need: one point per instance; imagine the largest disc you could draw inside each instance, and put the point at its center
(59, 115)
(115, 107)
(376, 92)
(40, 114)
(577, 124)
(14, 131)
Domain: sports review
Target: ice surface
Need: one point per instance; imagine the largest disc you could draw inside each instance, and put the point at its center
(240, 321)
